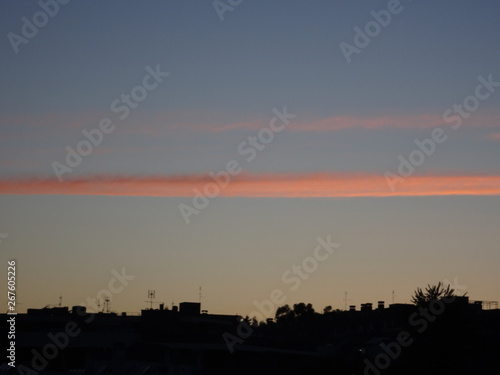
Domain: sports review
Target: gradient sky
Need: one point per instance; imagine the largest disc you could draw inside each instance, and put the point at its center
(323, 174)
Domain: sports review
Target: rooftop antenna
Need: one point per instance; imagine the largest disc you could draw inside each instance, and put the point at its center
(199, 295)
(12, 309)
(106, 305)
(151, 296)
(345, 301)
(393, 296)
(60, 300)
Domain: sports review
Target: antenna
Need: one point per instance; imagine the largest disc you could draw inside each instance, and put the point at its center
(11, 309)
(60, 300)
(199, 295)
(345, 301)
(151, 296)
(106, 305)
(393, 296)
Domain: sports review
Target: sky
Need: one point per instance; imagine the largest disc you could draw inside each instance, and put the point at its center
(229, 144)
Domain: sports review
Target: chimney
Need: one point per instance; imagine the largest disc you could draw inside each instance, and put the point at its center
(380, 305)
(366, 307)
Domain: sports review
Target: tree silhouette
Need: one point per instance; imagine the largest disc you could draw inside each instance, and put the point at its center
(299, 312)
(283, 312)
(434, 292)
(302, 310)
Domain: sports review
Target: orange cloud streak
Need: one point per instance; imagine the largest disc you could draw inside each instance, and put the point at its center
(261, 185)
(164, 123)
(335, 123)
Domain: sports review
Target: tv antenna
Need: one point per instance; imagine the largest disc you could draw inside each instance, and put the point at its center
(199, 295)
(106, 305)
(12, 309)
(151, 297)
(60, 301)
(345, 301)
(393, 296)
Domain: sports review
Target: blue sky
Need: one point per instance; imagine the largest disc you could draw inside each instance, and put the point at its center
(353, 120)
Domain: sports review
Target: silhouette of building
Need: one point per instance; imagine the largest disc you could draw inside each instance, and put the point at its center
(185, 340)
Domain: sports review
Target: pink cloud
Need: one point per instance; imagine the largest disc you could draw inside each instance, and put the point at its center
(494, 136)
(335, 123)
(260, 185)
(162, 123)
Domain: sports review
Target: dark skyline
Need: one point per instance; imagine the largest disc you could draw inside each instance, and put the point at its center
(193, 145)
(443, 332)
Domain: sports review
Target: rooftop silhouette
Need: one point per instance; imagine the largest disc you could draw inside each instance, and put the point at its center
(446, 335)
